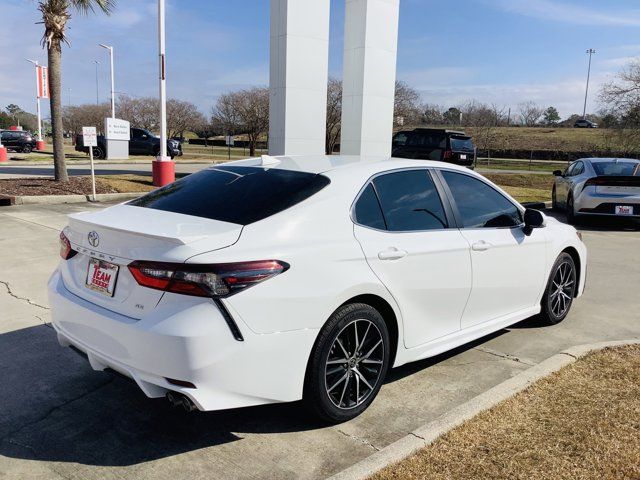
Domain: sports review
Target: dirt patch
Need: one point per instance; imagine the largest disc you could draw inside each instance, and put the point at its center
(582, 422)
(128, 183)
(77, 185)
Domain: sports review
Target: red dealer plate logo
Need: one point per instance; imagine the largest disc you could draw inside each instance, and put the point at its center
(102, 276)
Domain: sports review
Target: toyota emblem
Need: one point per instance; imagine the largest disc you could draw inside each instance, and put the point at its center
(94, 238)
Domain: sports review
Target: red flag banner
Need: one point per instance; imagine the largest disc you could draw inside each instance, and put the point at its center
(43, 82)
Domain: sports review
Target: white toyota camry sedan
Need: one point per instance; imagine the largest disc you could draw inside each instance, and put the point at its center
(283, 278)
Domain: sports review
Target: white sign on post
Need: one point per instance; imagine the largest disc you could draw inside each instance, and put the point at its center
(90, 139)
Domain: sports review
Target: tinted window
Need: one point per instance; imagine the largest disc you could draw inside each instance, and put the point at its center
(461, 143)
(410, 201)
(431, 140)
(241, 195)
(400, 139)
(480, 205)
(617, 168)
(367, 210)
(578, 169)
(569, 171)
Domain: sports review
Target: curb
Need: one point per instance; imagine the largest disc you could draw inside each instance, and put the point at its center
(6, 200)
(429, 432)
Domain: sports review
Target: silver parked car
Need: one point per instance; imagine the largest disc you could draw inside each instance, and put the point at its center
(598, 186)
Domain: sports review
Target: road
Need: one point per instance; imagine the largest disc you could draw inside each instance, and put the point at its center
(46, 170)
(60, 419)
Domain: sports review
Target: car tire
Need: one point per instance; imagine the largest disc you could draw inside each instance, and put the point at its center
(560, 291)
(26, 149)
(98, 153)
(348, 363)
(554, 201)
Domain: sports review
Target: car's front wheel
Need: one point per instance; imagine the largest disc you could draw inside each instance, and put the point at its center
(26, 149)
(560, 291)
(348, 363)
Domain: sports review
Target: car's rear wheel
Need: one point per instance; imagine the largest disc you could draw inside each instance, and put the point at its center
(98, 153)
(26, 149)
(348, 363)
(560, 291)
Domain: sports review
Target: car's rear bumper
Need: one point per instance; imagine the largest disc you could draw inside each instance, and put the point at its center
(185, 339)
(605, 205)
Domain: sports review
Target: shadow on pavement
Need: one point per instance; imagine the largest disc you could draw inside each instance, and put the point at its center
(55, 408)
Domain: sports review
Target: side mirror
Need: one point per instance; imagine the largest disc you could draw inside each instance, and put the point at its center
(532, 219)
(557, 173)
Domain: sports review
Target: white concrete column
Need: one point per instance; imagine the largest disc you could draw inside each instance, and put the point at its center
(369, 75)
(299, 59)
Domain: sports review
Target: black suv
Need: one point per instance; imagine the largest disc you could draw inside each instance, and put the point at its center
(142, 142)
(18, 140)
(434, 144)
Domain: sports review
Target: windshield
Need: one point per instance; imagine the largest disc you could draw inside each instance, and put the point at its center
(617, 168)
(461, 143)
(240, 195)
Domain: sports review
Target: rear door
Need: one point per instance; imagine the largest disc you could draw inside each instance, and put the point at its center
(406, 237)
(508, 266)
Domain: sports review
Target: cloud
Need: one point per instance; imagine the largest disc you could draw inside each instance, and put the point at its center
(570, 12)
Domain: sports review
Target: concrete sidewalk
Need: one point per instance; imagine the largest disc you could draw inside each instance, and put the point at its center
(60, 419)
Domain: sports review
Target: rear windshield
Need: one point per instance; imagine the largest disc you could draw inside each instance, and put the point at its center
(461, 143)
(240, 195)
(617, 168)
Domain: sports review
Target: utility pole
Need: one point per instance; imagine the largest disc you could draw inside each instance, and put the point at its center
(113, 89)
(591, 51)
(97, 85)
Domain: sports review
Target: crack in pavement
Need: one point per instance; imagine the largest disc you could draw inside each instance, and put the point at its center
(358, 439)
(506, 356)
(24, 299)
(7, 438)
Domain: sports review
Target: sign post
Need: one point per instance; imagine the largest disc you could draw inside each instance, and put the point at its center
(90, 139)
(230, 142)
(42, 91)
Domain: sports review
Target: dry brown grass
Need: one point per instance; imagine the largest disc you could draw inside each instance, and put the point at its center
(582, 422)
(127, 183)
(524, 187)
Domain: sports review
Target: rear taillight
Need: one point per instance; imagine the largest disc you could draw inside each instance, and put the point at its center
(217, 280)
(448, 154)
(66, 252)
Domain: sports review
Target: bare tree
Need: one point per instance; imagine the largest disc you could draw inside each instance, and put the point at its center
(182, 116)
(623, 94)
(484, 120)
(334, 113)
(530, 113)
(406, 103)
(432, 114)
(89, 115)
(244, 111)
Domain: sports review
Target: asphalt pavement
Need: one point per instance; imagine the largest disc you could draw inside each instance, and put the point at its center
(61, 419)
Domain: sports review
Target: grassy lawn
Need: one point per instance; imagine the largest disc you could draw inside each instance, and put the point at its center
(582, 422)
(505, 164)
(524, 187)
(126, 183)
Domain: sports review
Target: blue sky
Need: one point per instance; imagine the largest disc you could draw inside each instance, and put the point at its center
(495, 51)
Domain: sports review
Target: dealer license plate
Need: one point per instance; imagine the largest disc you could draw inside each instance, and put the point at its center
(102, 276)
(624, 210)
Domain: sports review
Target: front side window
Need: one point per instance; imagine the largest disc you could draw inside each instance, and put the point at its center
(479, 205)
(410, 201)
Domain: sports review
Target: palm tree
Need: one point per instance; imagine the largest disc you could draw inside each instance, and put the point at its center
(55, 15)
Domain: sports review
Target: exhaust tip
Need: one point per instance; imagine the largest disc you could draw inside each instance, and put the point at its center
(179, 400)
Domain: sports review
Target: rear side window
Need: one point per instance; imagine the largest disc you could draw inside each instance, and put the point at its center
(410, 201)
(240, 195)
(367, 210)
(479, 205)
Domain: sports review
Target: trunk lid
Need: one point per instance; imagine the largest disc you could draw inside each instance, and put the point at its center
(124, 233)
(616, 184)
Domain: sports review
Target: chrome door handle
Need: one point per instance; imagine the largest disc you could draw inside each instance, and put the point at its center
(391, 253)
(481, 246)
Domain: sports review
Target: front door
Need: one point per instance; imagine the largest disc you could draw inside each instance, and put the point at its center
(508, 266)
(405, 235)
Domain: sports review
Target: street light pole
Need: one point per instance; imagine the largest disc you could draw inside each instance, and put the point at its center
(97, 85)
(591, 51)
(163, 167)
(113, 92)
(39, 144)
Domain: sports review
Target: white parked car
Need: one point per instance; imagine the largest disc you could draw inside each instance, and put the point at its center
(281, 278)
